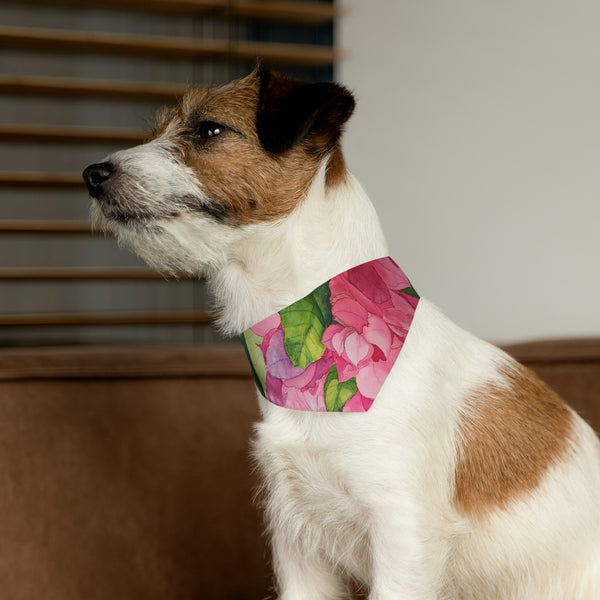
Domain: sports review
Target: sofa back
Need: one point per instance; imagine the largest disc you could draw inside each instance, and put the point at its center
(125, 473)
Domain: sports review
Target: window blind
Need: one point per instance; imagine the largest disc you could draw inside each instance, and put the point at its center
(80, 79)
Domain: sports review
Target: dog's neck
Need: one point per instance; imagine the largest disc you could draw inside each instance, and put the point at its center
(272, 265)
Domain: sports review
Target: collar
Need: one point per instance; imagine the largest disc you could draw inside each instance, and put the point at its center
(332, 350)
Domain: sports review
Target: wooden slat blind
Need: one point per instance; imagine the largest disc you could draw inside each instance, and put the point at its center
(63, 87)
(77, 273)
(172, 317)
(58, 40)
(71, 135)
(45, 138)
(269, 10)
(45, 226)
(32, 179)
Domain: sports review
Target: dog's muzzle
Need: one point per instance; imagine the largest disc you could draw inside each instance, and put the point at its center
(96, 176)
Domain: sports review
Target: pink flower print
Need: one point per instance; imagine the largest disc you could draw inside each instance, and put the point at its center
(287, 385)
(333, 349)
(371, 377)
(267, 325)
(277, 361)
(358, 403)
(371, 318)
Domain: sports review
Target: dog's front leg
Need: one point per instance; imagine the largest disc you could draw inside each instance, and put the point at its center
(302, 575)
(409, 541)
(405, 569)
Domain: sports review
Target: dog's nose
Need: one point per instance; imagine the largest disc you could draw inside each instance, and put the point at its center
(95, 175)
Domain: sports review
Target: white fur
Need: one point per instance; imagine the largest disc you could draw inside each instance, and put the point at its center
(371, 495)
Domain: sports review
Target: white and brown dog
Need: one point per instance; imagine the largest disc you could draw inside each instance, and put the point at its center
(467, 478)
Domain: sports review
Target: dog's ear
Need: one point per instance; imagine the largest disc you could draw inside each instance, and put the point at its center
(290, 111)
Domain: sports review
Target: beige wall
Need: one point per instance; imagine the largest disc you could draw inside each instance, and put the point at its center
(477, 135)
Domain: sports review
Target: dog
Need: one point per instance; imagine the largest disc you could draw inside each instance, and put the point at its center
(462, 476)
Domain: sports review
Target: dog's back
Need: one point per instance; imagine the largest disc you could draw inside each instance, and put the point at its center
(469, 478)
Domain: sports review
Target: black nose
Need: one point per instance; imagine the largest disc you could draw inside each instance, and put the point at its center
(95, 175)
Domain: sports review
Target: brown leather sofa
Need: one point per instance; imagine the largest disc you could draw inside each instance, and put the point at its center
(124, 472)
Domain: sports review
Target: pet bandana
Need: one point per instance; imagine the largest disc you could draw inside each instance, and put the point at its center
(332, 350)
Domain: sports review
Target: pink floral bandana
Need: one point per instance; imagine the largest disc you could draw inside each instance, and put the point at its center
(332, 350)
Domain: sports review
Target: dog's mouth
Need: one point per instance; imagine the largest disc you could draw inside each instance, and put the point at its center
(114, 210)
(118, 200)
(107, 210)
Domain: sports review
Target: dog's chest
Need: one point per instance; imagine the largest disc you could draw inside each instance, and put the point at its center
(310, 488)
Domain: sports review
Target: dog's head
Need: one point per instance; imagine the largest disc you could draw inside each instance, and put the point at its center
(223, 159)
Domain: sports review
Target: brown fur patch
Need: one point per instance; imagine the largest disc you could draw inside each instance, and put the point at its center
(508, 438)
(248, 183)
(336, 168)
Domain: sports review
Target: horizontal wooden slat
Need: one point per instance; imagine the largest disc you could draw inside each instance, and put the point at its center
(173, 317)
(228, 360)
(32, 179)
(70, 135)
(56, 40)
(88, 88)
(294, 12)
(80, 273)
(44, 226)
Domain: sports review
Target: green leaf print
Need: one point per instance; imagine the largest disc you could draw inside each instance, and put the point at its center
(304, 323)
(336, 393)
(410, 291)
(251, 342)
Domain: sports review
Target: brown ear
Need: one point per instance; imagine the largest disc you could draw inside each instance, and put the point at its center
(290, 111)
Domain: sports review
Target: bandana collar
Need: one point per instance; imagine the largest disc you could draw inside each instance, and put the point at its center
(332, 350)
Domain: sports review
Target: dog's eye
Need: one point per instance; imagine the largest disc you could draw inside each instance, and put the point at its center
(209, 129)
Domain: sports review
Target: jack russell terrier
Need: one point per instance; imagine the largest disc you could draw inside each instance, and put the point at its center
(397, 450)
